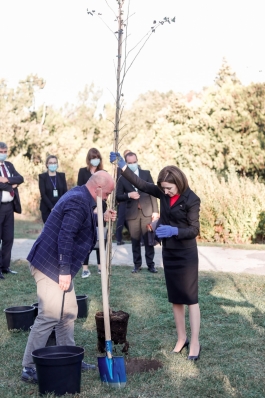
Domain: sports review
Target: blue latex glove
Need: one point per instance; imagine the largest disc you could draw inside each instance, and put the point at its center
(113, 156)
(166, 231)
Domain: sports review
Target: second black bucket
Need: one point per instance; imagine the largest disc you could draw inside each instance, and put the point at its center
(35, 305)
(82, 306)
(21, 317)
(59, 369)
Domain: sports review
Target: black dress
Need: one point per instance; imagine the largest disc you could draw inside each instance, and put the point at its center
(180, 254)
(47, 185)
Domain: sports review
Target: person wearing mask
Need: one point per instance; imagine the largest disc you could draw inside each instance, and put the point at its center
(177, 227)
(9, 203)
(52, 185)
(94, 163)
(141, 209)
(121, 212)
(55, 258)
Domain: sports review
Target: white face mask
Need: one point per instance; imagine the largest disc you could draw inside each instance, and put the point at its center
(95, 162)
(133, 166)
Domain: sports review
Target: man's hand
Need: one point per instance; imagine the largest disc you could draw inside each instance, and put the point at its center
(134, 195)
(64, 282)
(155, 216)
(3, 179)
(14, 185)
(110, 215)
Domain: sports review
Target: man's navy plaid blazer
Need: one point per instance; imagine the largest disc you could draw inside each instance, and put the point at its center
(68, 235)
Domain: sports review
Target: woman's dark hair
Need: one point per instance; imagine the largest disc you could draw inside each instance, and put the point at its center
(51, 157)
(173, 175)
(94, 153)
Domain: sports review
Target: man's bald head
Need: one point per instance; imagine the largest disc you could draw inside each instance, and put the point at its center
(100, 179)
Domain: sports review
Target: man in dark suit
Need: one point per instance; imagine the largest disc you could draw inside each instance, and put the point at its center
(141, 209)
(9, 203)
(55, 258)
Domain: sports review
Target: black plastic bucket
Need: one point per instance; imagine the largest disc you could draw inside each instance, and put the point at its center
(35, 305)
(20, 317)
(52, 338)
(59, 369)
(82, 306)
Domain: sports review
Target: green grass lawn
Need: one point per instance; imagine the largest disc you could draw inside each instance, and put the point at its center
(27, 228)
(232, 336)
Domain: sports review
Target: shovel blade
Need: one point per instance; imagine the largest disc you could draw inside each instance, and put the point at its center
(112, 371)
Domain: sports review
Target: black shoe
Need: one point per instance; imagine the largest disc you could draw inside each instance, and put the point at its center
(186, 344)
(86, 366)
(196, 357)
(9, 271)
(29, 375)
(120, 243)
(2, 276)
(153, 270)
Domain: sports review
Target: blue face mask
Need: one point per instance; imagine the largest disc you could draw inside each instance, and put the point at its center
(95, 162)
(3, 157)
(52, 167)
(133, 166)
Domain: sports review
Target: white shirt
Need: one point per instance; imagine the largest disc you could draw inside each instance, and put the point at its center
(6, 197)
(137, 173)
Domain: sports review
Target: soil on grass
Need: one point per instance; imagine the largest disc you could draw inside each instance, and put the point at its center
(139, 365)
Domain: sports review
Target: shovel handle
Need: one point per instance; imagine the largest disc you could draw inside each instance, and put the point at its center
(104, 279)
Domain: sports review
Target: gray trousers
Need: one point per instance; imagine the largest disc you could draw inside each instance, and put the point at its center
(54, 310)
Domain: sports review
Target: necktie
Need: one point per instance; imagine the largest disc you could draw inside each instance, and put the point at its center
(5, 174)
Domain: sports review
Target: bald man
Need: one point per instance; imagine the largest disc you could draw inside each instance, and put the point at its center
(56, 257)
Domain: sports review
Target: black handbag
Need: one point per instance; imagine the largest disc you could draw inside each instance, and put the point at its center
(96, 247)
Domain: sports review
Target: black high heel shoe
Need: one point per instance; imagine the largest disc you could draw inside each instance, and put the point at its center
(186, 344)
(196, 357)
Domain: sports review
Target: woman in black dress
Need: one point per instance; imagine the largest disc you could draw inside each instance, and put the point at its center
(52, 185)
(177, 227)
(94, 164)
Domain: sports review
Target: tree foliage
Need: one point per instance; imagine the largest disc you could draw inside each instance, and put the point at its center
(217, 135)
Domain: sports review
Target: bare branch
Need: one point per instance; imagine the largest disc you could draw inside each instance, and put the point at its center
(111, 121)
(134, 48)
(123, 126)
(111, 8)
(123, 137)
(147, 34)
(129, 16)
(121, 111)
(112, 94)
(126, 55)
(108, 27)
(126, 71)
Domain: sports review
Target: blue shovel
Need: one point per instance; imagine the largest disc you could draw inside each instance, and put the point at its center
(112, 369)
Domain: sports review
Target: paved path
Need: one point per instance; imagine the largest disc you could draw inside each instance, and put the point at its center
(210, 258)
